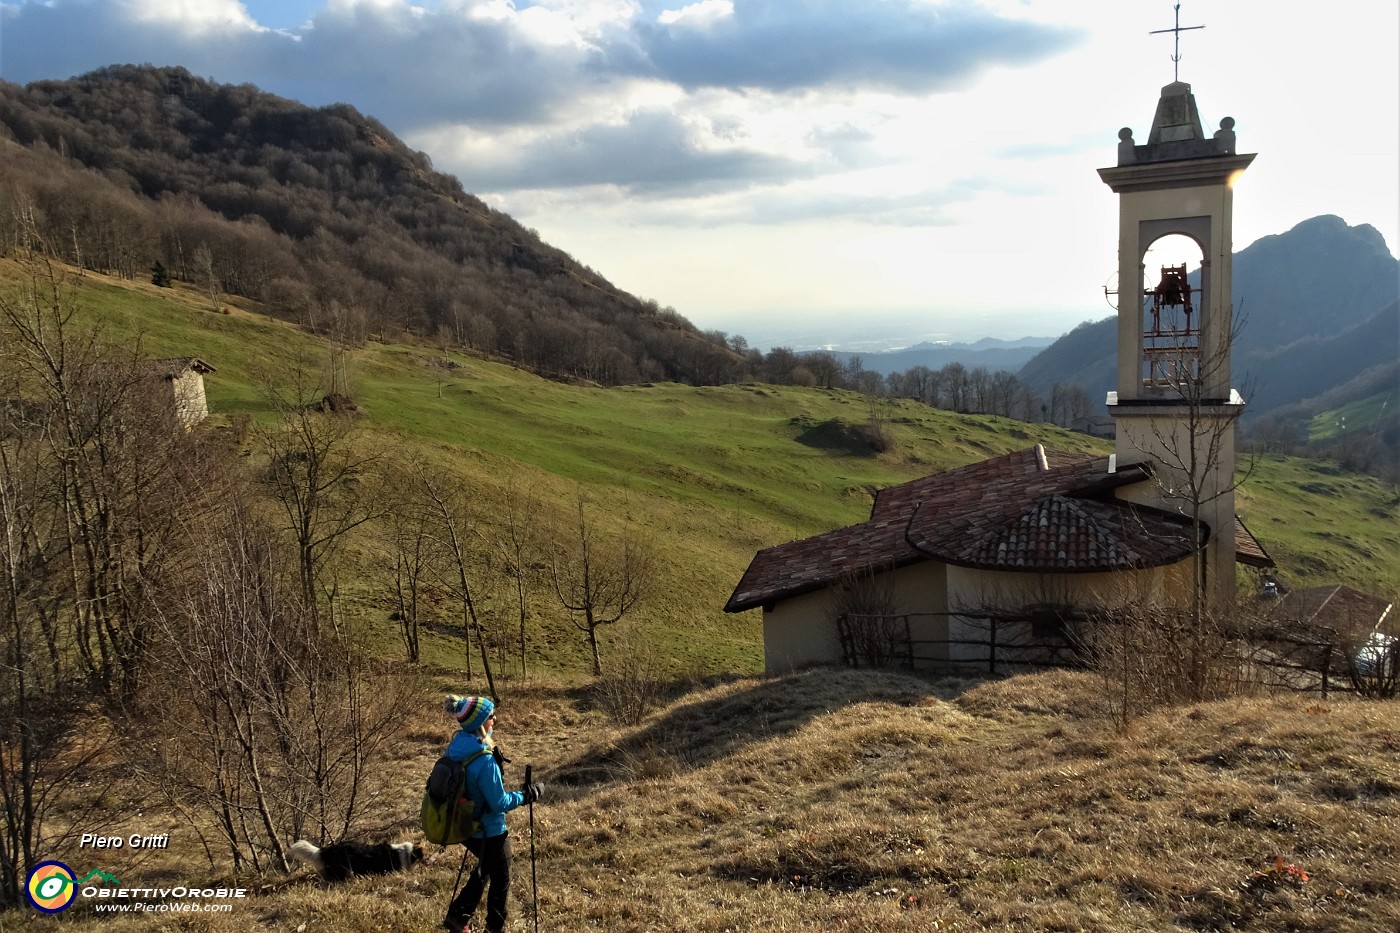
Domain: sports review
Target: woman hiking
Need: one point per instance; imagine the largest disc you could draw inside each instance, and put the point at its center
(486, 789)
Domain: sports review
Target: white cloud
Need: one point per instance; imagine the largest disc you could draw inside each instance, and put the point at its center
(702, 15)
(194, 17)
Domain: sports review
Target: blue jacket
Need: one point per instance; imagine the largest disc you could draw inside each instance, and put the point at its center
(484, 784)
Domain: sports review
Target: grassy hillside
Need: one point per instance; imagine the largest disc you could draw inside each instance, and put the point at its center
(1360, 416)
(711, 474)
(1323, 525)
(873, 802)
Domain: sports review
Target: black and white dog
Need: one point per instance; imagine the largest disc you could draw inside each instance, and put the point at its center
(343, 860)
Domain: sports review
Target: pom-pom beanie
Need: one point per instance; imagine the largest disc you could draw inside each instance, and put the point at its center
(472, 712)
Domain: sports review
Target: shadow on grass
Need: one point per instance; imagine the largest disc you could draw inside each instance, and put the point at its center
(724, 718)
(838, 437)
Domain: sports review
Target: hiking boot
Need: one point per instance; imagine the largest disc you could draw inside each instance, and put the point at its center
(453, 925)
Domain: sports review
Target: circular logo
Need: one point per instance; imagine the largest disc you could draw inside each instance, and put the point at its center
(50, 887)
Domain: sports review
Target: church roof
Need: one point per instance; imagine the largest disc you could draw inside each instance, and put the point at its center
(1031, 511)
(1248, 550)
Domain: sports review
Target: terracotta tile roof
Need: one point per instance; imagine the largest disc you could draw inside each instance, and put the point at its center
(1339, 608)
(1029, 510)
(1062, 534)
(1248, 550)
(984, 504)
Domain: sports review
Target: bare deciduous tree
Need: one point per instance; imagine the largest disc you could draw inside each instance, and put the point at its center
(455, 530)
(313, 475)
(90, 476)
(518, 548)
(600, 579)
(39, 709)
(1194, 451)
(267, 728)
(118, 475)
(409, 524)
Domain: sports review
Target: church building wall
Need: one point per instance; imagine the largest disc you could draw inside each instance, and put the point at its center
(802, 630)
(973, 592)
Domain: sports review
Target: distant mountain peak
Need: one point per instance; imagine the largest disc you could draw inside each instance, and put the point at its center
(1310, 286)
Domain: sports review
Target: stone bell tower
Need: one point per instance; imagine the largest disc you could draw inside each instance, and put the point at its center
(1174, 404)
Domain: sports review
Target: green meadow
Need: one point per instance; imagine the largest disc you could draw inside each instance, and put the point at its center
(708, 474)
(1361, 415)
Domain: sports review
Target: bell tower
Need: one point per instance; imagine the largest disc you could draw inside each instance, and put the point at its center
(1174, 404)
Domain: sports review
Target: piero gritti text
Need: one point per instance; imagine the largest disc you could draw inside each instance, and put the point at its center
(134, 841)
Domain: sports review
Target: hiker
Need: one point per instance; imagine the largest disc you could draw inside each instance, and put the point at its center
(486, 790)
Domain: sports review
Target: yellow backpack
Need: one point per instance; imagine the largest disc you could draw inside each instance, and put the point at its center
(449, 816)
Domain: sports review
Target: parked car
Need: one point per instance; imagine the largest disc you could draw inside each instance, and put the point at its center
(1376, 654)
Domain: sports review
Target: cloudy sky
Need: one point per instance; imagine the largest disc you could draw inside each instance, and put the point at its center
(807, 171)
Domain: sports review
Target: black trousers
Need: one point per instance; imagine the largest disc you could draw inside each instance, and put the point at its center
(493, 865)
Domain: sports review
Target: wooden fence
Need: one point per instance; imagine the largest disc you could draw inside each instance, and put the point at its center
(1001, 643)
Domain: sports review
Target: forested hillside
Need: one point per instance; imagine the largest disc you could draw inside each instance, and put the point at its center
(322, 215)
(326, 219)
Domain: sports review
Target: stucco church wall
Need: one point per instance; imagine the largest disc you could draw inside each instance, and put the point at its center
(972, 590)
(802, 630)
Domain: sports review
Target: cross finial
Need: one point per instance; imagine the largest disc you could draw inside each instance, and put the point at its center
(1178, 29)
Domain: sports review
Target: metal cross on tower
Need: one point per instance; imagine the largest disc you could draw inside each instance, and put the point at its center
(1176, 54)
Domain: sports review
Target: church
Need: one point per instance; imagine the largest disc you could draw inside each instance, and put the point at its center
(988, 564)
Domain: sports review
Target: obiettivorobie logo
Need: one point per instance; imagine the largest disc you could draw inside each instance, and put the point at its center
(51, 887)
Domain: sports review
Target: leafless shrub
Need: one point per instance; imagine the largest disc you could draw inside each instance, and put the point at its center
(1373, 666)
(877, 435)
(1153, 656)
(863, 612)
(633, 684)
(262, 726)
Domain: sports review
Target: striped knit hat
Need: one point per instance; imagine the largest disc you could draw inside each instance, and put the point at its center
(471, 712)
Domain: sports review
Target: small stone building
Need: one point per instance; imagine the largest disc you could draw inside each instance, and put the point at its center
(185, 378)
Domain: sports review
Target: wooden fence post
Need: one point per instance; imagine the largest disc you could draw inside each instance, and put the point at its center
(992, 649)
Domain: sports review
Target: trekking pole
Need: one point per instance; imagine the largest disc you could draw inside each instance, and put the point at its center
(534, 883)
(458, 883)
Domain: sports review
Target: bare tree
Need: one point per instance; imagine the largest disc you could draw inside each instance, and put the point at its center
(118, 475)
(40, 711)
(455, 529)
(518, 547)
(409, 523)
(93, 478)
(599, 579)
(1194, 450)
(313, 475)
(262, 727)
(207, 277)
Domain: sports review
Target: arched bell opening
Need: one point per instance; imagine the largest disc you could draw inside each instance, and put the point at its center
(1172, 311)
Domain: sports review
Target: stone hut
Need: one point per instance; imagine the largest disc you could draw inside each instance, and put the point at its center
(185, 378)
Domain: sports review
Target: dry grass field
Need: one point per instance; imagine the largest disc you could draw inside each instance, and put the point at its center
(862, 801)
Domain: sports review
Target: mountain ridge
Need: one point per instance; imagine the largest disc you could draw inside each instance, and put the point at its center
(324, 216)
(1303, 288)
